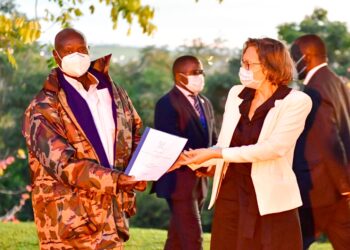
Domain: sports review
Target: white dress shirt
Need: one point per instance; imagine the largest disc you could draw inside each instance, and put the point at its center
(312, 72)
(100, 105)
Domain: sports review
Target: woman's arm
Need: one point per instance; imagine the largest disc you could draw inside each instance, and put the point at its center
(288, 128)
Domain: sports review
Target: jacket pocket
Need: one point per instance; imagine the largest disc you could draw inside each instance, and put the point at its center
(72, 218)
(62, 217)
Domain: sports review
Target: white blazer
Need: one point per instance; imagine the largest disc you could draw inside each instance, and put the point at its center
(274, 181)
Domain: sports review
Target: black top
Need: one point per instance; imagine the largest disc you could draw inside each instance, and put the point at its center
(247, 131)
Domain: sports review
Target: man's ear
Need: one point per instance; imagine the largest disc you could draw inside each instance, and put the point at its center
(181, 78)
(308, 62)
(56, 57)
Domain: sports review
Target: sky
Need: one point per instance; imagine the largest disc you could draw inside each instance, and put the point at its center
(180, 21)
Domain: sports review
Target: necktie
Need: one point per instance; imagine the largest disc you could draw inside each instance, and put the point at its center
(199, 111)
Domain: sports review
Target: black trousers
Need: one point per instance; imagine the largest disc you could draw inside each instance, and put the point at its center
(237, 224)
(185, 227)
(332, 220)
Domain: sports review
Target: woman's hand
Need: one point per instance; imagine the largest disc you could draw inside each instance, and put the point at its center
(198, 156)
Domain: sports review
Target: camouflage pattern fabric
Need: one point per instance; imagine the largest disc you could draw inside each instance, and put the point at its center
(76, 201)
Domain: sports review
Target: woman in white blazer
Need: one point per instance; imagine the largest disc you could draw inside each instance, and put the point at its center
(255, 190)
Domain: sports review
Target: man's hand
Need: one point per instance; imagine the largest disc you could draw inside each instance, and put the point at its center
(141, 186)
(205, 172)
(128, 183)
(178, 163)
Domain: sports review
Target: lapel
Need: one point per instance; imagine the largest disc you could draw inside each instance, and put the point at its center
(184, 105)
(63, 100)
(123, 135)
(230, 121)
(270, 120)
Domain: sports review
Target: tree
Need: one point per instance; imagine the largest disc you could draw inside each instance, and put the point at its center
(214, 56)
(145, 80)
(125, 9)
(23, 193)
(219, 83)
(17, 30)
(17, 88)
(334, 33)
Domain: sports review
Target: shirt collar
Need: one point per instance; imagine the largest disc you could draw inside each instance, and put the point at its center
(312, 72)
(184, 91)
(247, 94)
(79, 86)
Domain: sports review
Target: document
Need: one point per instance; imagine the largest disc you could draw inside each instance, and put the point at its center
(155, 154)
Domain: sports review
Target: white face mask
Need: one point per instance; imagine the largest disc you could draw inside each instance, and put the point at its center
(247, 79)
(195, 83)
(75, 64)
(295, 71)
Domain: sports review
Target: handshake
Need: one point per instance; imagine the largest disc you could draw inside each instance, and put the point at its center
(199, 160)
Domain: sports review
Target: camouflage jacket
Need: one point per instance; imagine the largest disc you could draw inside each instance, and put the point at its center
(76, 201)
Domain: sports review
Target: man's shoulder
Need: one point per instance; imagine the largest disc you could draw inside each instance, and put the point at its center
(323, 79)
(43, 104)
(43, 99)
(325, 83)
(167, 96)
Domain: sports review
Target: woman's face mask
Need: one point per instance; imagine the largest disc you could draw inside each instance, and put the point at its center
(246, 77)
(75, 64)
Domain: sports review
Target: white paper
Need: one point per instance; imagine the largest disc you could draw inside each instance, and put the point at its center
(155, 154)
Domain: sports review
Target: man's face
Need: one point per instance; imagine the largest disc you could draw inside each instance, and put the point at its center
(191, 68)
(70, 44)
(300, 62)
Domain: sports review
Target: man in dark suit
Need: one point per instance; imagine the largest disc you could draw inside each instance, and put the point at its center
(186, 113)
(322, 153)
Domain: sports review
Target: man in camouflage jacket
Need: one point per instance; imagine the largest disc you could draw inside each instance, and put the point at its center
(77, 202)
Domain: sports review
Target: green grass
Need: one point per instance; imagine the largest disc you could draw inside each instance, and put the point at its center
(23, 236)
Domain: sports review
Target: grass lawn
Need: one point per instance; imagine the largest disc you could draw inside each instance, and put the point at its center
(23, 236)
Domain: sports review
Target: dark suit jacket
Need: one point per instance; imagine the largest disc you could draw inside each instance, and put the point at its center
(322, 153)
(174, 114)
